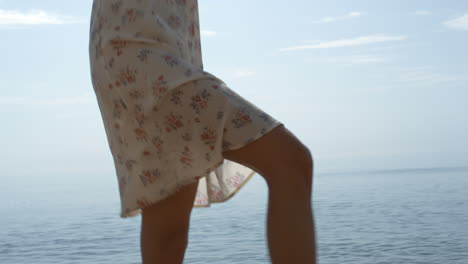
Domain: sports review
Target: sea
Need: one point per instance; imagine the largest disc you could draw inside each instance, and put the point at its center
(391, 216)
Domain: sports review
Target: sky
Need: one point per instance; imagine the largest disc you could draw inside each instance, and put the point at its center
(364, 84)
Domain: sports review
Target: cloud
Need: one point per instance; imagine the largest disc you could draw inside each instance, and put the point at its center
(243, 73)
(364, 40)
(459, 23)
(208, 33)
(350, 15)
(422, 13)
(35, 17)
(356, 59)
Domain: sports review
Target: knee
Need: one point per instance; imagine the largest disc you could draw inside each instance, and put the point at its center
(309, 160)
(165, 247)
(296, 164)
(306, 156)
(300, 158)
(305, 163)
(165, 234)
(166, 240)
(302, 170)
(176, 240)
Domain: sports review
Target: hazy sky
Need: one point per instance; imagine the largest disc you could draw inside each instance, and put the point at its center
(364, 84)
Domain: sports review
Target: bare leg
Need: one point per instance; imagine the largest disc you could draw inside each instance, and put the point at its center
(165, 227)
(287, 166)
(290, 223)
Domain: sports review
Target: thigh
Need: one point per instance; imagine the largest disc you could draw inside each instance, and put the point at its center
(277, 151)
(171, 216)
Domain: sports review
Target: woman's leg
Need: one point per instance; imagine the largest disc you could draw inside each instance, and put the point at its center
(287, 166)
(165, 227)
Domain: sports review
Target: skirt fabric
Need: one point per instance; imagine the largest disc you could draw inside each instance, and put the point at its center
(167, 121)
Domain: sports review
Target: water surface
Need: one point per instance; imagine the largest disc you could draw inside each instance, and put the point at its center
(388, 216)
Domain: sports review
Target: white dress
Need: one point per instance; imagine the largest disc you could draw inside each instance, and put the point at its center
(167, 121)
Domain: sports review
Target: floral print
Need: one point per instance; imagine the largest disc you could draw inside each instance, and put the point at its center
(167, 121)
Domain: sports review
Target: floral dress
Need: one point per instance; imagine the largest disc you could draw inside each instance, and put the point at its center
(167, 121)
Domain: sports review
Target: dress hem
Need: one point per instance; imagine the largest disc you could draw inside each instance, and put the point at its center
(193, 179)
(230, 195)
(258, 136)
(184, 183)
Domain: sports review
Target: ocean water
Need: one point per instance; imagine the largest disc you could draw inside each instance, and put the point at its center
(388, 216)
